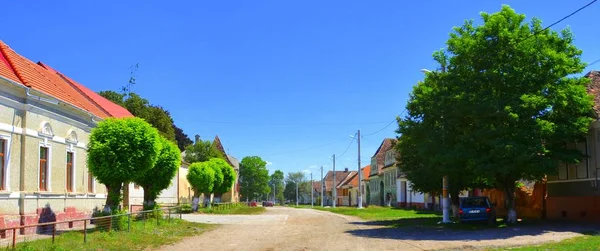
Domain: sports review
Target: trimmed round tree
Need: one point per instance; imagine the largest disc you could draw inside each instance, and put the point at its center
(228, 175)
(119, 151)
(160, 176)
(202, 179)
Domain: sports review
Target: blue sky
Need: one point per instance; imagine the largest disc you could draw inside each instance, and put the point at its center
(272, 78)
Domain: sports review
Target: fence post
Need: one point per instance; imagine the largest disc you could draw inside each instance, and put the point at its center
(14, 238)
(129, 222)
(53, 231)
(84, 231)
(169, 215)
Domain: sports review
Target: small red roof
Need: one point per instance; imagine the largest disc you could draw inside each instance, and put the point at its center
(365, 172)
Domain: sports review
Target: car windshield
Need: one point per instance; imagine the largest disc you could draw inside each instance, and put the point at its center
(474, 202)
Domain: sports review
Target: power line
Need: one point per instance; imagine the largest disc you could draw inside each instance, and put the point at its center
(593, 63)
(291, 125)
(339, 156)
(306, 149)
(390, 123)
(560, 20)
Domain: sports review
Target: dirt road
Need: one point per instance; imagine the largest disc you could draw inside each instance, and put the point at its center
(306, 229)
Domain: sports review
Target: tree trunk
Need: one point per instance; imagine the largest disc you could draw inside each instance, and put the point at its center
(113, 198)
(509, 202)
(195, 201)
(455, 200)
(149, 198)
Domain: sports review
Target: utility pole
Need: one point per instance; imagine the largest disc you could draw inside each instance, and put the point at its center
(274, 193)
(334, 188)
(312, 191)
(322, 186)
(296, 193)
(359, 175)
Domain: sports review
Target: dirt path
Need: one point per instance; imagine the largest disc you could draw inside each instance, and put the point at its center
(306, 229)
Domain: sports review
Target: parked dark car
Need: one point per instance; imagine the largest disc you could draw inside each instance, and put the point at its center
(269, 204)
(473, 209)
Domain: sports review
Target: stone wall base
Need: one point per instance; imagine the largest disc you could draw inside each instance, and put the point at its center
(42, 215)
(574, 208)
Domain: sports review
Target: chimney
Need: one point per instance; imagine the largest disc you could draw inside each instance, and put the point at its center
(346, 170)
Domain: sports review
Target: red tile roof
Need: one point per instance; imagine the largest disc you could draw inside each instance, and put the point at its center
(594, 89)
(386, 145)
(106, 105)
(365, 172)
(44, 79)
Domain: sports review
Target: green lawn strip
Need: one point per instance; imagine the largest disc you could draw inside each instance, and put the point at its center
(236, 210)
(587, 242)
(400, 217)
(143, 235)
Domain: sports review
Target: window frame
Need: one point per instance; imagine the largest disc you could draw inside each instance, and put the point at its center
(3, 164)
(70, 174)
(45, 170)
(91, 183)
(586, 165)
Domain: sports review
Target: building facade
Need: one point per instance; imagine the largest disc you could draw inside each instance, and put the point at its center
(45, 122)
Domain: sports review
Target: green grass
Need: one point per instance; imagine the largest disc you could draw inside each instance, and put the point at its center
(236, 210)
(587, 242)
(143, 236)
(400, 217)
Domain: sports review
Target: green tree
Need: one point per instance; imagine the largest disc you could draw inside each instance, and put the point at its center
(160, 176)
(254, 177)
(228, 175)
(290, 181)
(182, 139)
(201, 177)
(161, 120)
(276, 181)
(430, 144)
(114, 97)
(201, 151)
(515, 87)
(120, 151)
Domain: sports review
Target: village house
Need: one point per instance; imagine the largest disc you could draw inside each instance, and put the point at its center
(365, 192)
(45, 122)
(349, 190)
(574, 193)
(379, 179)
(340, 176)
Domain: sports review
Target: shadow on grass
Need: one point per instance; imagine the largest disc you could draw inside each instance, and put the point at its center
(429, 229)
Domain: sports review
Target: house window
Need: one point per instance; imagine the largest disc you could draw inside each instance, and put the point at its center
(582, 166)
(90, 182)
(2, 159)
(563, 172)
(43, 175)
(69, 172)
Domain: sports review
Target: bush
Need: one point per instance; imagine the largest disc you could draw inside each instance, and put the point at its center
(185, 209)
(119, 222)
(156, 212)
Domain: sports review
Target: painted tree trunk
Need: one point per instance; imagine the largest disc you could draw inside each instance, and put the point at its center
(509, 202)
(195, 201)
(455, 200)
(149, 197)
(113, 198)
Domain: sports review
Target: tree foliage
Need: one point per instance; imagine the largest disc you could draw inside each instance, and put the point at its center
(515, 101)
(290, 185)
(227, 173)
(277, 181)
(254, 177)
(182, 139)
(120, 151)
(160, 176)
(201, 151)
(201, 177)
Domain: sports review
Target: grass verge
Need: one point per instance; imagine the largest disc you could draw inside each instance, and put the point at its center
(400, 217)
(236, 210)
(590, 241)
(143, 236)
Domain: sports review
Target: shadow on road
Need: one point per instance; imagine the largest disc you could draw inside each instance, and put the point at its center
(427, 229)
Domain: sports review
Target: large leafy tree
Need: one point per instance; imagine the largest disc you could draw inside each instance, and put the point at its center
(228, 175)
(291, 180)
(515, 87)
(120, 151)
(430, 145)
(182, 139)
(160, 176)
(201, 151)
(276, 182)
(201, 177)
(254, 177)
